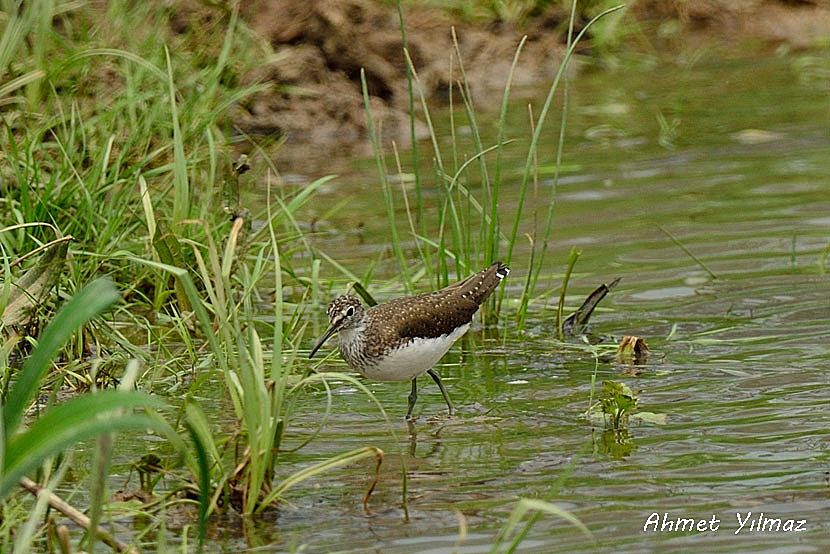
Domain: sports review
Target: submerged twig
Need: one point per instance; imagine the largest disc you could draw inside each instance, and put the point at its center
(572, 257)
(577, 321)
(379, 459)
(75, 515)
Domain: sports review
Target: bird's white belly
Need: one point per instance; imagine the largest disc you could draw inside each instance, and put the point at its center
(413, 359)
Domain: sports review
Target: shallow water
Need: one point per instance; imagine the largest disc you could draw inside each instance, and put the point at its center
(739, 362)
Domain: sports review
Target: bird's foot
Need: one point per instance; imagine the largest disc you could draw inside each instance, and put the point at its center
(441, 418)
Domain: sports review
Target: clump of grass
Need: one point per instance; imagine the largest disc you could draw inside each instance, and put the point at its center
(24, 448)
(262, 391)
(467, 228)
(107, 113)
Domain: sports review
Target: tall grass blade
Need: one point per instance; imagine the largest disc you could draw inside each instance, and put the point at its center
(526, 505)
(688, 252)
(147, 204)
(492, 253)
(201, 448)
(484, 229)
(83, 306)
(387, 191)
(560, 147)
(181, 186)
(531, 153)
(413, 137)
(362, 387)
(20, 82)
(326, 465)
(114, 52)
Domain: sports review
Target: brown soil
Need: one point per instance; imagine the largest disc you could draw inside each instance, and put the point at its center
(320, 47)
(799, 24)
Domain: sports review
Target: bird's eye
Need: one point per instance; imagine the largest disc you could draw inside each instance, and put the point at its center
(350, 311)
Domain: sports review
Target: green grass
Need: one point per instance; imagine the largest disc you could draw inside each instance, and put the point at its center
(466, 228)
(23, 448)
(262, 393)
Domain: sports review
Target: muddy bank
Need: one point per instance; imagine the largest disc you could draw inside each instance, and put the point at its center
(321, 46)
(798, 24)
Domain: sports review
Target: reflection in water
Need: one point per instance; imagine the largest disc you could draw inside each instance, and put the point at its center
(433, 441)
(615, 443)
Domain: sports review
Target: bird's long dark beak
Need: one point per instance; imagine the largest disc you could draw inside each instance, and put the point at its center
(326, 336)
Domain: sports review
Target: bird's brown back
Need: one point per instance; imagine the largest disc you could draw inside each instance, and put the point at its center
(436, 313)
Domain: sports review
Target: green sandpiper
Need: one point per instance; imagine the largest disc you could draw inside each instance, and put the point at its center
(405, 337)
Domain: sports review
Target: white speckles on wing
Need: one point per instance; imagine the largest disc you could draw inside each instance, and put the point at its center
(413, 359)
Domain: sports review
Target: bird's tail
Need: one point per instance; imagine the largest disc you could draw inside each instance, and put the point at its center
(480, 285)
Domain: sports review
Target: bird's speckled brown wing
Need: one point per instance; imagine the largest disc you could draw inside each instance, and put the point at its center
(480, 285)
(438, 313)
(429, 315)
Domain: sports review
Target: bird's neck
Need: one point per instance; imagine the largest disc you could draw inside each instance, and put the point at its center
(352, 343)
(352, 334)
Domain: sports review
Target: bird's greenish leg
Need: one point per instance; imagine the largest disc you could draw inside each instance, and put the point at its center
(413, 396)
(437, 379)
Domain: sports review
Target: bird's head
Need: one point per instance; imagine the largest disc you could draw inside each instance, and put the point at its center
(345, 312)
